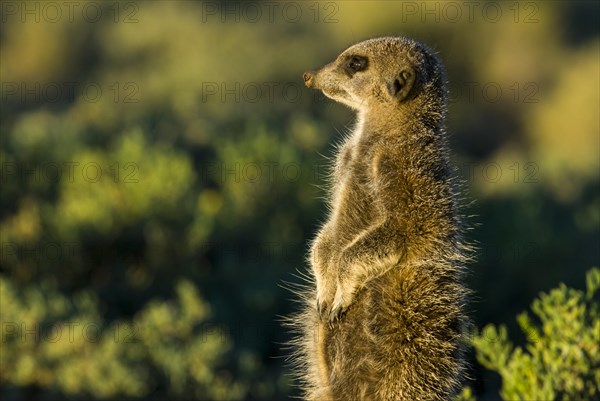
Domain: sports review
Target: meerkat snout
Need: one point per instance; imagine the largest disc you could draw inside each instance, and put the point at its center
(308, 78)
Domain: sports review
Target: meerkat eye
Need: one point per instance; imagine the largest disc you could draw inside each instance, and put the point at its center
(354, 64)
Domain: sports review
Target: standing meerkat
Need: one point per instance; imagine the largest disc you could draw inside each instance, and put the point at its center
(386, 319)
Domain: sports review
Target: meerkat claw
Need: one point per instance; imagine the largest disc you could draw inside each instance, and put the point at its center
(336, 314)
(321, 308)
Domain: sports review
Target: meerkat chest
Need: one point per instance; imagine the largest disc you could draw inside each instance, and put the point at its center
(351, 173)
(353, 160)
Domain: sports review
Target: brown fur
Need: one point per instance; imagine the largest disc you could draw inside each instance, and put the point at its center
(385, 321)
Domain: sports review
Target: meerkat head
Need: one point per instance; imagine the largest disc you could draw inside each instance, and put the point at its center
(389, 73)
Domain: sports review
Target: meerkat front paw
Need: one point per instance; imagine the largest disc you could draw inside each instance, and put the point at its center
(344, 295)
(325, 296)
(347, 283)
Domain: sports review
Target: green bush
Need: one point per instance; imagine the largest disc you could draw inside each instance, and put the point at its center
(64, 345)
(561, 360)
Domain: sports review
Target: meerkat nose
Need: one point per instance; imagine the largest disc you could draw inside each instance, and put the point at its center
(308, 79)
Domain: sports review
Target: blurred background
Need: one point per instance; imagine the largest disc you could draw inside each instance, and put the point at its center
(162, 164)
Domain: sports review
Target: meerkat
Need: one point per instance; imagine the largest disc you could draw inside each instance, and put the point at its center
(386, 320)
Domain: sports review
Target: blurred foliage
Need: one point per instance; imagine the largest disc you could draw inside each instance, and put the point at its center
(164, 159)
(65, 347)
(561, 360)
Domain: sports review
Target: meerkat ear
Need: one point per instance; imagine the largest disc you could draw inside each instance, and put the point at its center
(402, 84)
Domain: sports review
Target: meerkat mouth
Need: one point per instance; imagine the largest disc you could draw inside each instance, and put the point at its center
(343, 97)
(335, 93)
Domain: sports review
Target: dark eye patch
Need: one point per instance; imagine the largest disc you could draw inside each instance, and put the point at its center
(353, 64)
